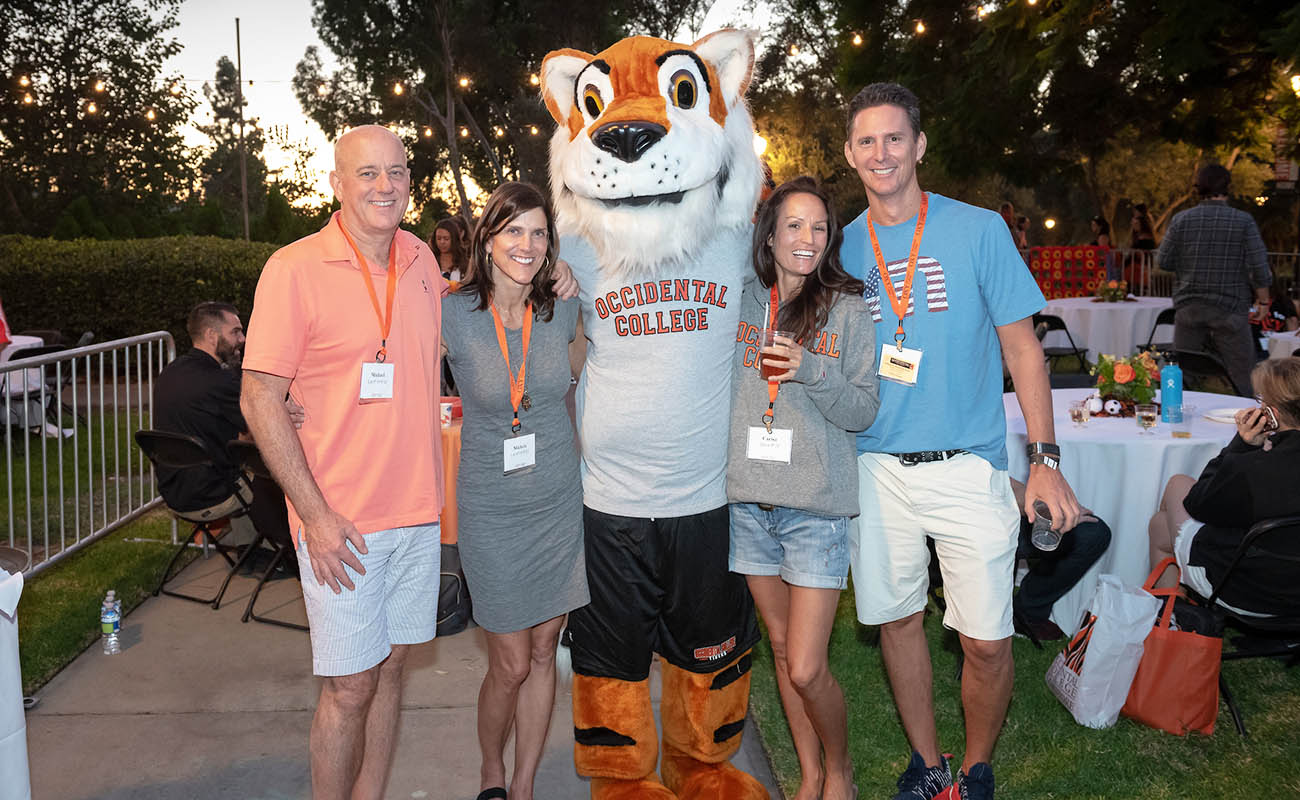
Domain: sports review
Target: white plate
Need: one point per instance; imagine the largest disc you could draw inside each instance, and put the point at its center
(1225, 415)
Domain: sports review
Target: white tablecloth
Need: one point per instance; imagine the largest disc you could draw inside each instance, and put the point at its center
(1116, 329)
(1281, 345)
(1120, 475)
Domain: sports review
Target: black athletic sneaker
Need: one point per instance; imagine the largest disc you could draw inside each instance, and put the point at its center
(976, 784)
(920, 782)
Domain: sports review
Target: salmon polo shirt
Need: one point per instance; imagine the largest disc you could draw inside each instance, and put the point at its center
(377, 463)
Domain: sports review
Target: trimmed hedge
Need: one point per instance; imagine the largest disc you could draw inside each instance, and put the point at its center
(124, 288)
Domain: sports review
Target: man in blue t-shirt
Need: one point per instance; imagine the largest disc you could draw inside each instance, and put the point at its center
(949, 293)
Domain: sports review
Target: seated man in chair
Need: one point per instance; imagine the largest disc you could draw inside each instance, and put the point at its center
(1053, 574)
(198, 395)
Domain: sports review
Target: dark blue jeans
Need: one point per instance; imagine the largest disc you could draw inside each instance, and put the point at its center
(1053, 574)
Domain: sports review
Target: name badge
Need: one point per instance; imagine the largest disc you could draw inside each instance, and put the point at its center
(899, 366)
(774, 446)
(377, 381)
(519, 452)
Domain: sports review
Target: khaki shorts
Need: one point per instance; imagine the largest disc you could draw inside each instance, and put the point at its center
(967, 507)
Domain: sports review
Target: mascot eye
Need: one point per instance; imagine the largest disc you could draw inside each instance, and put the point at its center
(682, 89)
(592, 102)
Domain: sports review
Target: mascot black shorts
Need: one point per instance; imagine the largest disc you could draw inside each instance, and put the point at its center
(659, 585)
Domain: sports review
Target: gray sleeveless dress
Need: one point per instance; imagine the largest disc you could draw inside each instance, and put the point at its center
(520, 535)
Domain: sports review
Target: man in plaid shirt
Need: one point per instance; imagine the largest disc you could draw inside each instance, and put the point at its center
(1219, 261)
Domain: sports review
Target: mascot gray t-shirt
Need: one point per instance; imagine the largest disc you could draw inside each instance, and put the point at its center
(642, 406)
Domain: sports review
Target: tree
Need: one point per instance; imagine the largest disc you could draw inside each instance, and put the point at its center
(220, 167)
(86, 112)
(401, 64)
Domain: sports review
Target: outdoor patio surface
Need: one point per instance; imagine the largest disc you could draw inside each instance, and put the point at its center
(199, 705)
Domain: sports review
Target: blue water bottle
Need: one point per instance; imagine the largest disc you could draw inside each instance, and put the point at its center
(1171, 393)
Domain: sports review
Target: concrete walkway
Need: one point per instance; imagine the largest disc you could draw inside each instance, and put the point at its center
(201, 706)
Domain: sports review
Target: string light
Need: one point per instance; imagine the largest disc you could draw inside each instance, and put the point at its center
(920, 26)
(533, 79)
(464, 132)
(24, 81)
(1295, 84)
(532, 130)
(794, 49)
(1032, 2)
(983, 11)
(464, 82)
(322, 90)
(99, 86)
(1049, 223)
(149, 115)
(176, 88)
(498, 131)
(428, 132)
(27, 99)
(1261, 200)
(857, 40)
(398, 88)
(91, 108)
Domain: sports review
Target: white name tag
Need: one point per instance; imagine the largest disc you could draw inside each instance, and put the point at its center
(377, 381)
(519, 452)
(774, 446)
(899, 366)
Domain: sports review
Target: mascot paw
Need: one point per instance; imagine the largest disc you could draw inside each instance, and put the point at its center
(696, 780)
(644, 789)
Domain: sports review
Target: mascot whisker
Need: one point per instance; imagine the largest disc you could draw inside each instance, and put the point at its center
(655, 183)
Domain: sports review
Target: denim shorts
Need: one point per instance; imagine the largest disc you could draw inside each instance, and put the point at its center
(805, 549)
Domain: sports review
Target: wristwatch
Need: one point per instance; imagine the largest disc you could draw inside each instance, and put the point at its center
(1044, 453)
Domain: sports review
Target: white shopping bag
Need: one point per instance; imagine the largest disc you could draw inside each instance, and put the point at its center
(1091, 676)
(16, 782)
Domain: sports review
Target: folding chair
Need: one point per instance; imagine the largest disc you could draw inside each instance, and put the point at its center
(271, 518)
(178, 451)
(1281, 634)
(1055, 323)
(1206, 365)
(1165, 317)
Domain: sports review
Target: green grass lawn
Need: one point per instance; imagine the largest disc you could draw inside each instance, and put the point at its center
(1043, 752)
(58, 615)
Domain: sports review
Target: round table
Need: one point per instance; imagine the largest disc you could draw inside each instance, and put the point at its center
(1117, 329)
(1281, 345)
(1120, 475)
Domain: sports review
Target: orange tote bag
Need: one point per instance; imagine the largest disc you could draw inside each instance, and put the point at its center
(1176, 688)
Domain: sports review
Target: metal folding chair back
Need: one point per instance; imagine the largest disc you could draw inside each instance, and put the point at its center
(273, 524)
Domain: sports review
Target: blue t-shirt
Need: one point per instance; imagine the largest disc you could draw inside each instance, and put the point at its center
(969, 279)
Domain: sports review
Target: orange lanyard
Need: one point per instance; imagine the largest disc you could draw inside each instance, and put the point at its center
(516, 385)
(773, 387)
(886, 285)
(390, 289)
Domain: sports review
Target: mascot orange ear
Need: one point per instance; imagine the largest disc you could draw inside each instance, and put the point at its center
(560, 71)
(731, 52)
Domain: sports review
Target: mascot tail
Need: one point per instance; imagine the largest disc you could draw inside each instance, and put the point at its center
(703, 717)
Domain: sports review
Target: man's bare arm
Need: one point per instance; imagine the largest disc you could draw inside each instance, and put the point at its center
(1024, 357)
(325, 532)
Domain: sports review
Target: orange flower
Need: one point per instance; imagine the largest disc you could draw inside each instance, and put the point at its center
(1101, 379)
(1113, 284)
(1123, 373)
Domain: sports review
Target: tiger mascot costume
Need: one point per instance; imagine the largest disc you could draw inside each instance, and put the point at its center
(655, 183)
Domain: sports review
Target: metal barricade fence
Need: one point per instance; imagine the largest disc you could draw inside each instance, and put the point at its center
(72, 470)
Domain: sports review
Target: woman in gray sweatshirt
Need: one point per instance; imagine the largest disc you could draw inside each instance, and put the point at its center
(797, 400)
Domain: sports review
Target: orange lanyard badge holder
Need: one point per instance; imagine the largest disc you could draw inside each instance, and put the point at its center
(377, 377)
(902, 364)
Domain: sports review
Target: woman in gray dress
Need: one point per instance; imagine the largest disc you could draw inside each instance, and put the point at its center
(509, 341)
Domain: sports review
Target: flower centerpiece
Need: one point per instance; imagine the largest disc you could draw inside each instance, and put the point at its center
(1111, 292)
(1128, 381)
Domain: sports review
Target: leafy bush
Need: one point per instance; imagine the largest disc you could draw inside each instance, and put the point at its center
(124, 288)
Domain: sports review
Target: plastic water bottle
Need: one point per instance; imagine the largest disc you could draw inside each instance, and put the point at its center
(1171, 393)
(110, 623)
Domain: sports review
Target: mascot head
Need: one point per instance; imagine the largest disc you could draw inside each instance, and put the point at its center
(654, 147)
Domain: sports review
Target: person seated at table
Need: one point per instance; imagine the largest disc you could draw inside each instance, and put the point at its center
(1052, 574)
(198, 395)
(1276, 317)
(1201, 523)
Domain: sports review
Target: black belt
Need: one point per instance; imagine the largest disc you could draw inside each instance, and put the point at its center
(925, 456)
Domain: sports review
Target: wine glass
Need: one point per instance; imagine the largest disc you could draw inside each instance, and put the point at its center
(1146, 417)
(1079, 413)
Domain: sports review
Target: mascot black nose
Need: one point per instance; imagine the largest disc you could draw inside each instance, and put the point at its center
(626, 141)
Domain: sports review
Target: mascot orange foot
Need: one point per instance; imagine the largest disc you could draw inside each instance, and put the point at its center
(703, 717)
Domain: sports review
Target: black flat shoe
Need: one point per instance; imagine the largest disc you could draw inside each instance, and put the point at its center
(495, 793)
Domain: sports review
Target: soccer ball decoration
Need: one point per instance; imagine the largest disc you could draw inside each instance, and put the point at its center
(1113, 407)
